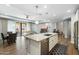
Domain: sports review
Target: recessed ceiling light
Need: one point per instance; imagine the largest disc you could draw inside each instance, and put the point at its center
(36, 22)
(45, 6)
(68, 11)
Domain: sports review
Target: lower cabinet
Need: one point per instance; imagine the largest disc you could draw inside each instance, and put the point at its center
(45, 47)
(42, 47)
(53, 41)
(34, 47)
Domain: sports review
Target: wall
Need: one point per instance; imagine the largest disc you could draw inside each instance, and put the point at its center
(3, 26)
(0, 28)
(74, 18)
(59, 26)
(11, 26)
(51, 27)
(37, 27)
(64, 26)
(67, 28)
(28, 26)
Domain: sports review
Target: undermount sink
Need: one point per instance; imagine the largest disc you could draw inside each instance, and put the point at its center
(47, 34)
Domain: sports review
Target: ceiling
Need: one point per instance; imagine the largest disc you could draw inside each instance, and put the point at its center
(53, 12)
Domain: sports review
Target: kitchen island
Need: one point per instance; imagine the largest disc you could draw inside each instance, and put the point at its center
(41, 44)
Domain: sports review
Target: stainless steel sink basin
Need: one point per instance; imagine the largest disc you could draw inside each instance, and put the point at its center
(47, 34)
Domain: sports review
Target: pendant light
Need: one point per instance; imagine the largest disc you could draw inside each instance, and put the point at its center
(36, 22)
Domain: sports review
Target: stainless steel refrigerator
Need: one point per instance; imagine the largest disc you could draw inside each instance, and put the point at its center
(76, 35)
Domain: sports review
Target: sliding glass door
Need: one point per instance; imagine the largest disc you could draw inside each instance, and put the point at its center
(22, 28)
(18, 28)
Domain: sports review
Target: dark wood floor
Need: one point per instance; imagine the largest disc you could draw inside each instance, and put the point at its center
(19, 48)
(71, 50)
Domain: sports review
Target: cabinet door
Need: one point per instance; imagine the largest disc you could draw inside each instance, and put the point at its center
(51, 43)
(45, 47)
(35, 47)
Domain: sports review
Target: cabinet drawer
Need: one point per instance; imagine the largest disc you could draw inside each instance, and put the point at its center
(52, 38)
(52, 42)
(51, 45)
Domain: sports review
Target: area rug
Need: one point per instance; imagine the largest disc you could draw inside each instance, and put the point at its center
(58, 50)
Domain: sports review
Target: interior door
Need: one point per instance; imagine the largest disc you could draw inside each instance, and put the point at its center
(76, 34)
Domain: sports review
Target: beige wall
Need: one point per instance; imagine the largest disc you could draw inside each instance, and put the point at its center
(3, 26)
(0, 28)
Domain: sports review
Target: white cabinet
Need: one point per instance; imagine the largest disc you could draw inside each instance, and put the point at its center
(53, 41)
(33, 47)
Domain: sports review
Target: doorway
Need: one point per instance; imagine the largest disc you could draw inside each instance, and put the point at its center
(76, 34)
(67, 28)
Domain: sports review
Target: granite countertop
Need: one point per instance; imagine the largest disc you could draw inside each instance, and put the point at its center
(40, 36)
